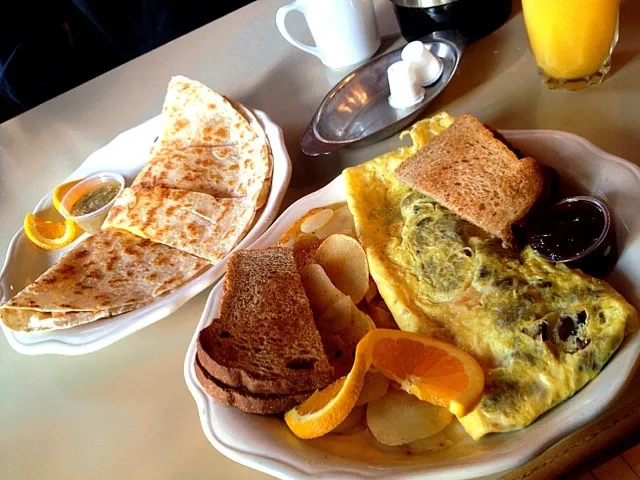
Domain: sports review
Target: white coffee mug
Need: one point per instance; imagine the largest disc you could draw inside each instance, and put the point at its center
(345, 31)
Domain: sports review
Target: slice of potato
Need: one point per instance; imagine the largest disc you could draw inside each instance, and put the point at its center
(341, 327)
(398, 418)
(341, 222)
(294, 229)
(431, 444)
(337, 317)
(360, 325)
(371, 292)
(304, 248)
(322, 293)
(316, 221)
(375, 386)
(381, 317)
(354, 420)
(344, 261)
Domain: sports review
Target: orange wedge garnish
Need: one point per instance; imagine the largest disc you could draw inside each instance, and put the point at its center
(432, 370)
(49, 235)
(61, 190)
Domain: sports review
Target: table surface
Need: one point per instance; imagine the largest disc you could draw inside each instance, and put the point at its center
(125, 411)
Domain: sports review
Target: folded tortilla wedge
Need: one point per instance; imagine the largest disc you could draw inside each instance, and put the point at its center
(208, 148)
(223, 172)
(193, 222)
(108, 273)
(196, 116)
(233, 161)
(263, 147)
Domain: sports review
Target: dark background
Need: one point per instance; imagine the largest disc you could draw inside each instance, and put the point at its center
(50, 46)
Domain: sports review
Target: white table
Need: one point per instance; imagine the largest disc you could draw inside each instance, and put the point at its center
(125, 412)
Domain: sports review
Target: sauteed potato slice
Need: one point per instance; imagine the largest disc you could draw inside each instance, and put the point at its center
(314, 222)
(354, 419)
(381, 317)
(341, 222)
(345, 262)
(399, 418)
(322, 293)
(341, 327)
(337, 317)
(375, 387)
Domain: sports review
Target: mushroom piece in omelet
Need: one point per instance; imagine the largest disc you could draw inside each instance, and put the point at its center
(540, 330)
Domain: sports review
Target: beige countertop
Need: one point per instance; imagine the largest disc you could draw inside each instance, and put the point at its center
(124, 411)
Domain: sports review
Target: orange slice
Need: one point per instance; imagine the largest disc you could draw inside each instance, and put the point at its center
(326, 409)
(432, 370)
(49, 235)
(60, 191)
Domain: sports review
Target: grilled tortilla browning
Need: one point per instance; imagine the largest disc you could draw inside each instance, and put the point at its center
(108, 273)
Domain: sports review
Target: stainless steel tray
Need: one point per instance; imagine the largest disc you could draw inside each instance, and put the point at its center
(356, 110)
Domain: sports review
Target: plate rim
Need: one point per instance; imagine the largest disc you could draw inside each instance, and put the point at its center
(165, 306)
(290, 469)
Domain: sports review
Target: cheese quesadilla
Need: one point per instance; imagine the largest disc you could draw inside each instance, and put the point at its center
(223, 172)
(196, 116)
(226, 171)
(193, 222)
(208, 173)
(234, 161)
(34, 321)
(106, 274)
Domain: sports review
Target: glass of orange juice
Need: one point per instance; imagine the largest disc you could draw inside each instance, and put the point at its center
(572, 40)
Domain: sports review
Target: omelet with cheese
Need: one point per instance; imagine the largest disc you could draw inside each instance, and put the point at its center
(540, 330)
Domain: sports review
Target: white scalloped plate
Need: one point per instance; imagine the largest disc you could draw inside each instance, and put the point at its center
(126, 154)
(267, 445)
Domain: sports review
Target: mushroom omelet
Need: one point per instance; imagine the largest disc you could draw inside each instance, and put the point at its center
(540, 330)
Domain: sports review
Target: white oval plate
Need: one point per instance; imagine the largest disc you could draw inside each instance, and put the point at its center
(266, 444)
(126, 154)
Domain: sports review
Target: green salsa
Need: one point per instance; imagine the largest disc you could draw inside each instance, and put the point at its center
(95, 199)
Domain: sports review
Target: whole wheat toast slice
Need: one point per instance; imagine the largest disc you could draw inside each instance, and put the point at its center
(245, 400)
(265, 339)
(476, 176)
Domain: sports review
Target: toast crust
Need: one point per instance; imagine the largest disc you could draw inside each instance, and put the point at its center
(265, 339)
(476, 176)
(243, 399)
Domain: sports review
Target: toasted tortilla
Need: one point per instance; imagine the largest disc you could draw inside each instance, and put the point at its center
(193, 222)
(255, 124)
(209, 147)
(107, 274)
(224, 172)
(35, 321)
(195, 154)
(196, 116)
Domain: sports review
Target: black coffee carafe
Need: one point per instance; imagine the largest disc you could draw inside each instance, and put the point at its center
(473, 18)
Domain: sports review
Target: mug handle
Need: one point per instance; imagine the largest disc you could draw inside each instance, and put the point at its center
(280, 22)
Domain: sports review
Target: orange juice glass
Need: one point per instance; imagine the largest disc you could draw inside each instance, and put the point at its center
(572, 40)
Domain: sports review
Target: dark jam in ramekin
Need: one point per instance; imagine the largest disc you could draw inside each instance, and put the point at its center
(576, 231)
